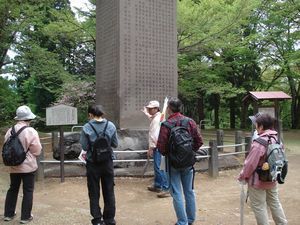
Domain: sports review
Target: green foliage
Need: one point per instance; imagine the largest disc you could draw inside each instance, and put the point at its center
(9, 101)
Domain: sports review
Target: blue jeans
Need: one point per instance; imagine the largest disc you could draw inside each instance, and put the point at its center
(185, 208)
(160, 177)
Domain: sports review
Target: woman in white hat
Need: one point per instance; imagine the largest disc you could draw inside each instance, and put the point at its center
(25, 171)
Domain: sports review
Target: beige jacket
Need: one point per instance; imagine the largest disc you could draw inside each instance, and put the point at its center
(154, 129)
(30, 140)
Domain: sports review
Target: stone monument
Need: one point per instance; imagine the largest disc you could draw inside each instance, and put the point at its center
(136, 57)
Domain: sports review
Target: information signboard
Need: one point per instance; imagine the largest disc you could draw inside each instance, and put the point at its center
(61, 115)
(268, 110)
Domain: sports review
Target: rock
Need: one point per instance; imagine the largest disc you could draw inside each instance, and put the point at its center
(129, 140)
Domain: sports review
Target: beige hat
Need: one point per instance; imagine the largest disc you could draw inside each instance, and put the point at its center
(24, 113)
(153, 104)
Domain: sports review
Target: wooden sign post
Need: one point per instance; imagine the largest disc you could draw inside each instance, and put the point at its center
(60, 115)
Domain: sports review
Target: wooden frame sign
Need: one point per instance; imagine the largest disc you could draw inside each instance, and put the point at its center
(61, 115)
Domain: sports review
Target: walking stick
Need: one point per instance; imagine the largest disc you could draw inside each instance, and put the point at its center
(242, 202)
(146, 166)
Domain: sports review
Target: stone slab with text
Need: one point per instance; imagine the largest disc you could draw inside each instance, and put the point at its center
(136, 57)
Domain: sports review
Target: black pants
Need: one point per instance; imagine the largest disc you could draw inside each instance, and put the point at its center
(12, 194)
(103, 173)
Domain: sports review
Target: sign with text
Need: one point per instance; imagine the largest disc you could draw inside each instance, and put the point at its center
(61, 115)
(268, 110)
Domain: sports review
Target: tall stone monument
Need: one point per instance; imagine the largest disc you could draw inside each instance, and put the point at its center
(136, 57)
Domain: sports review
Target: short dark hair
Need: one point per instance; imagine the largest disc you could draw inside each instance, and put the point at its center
(174, 104)
(266, 121)
(96, 110)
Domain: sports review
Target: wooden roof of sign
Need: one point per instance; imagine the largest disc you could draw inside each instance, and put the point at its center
(266, 95)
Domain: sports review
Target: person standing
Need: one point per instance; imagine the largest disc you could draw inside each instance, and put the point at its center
(183, 200)
(262, 194)
(160, 185)
(99, 172)
(24, 172)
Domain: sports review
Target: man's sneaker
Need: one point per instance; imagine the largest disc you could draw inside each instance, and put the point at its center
(9, 218)
(27, 220)
(154, 189)
(163, 194)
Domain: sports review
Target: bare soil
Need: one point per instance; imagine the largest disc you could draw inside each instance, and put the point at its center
(218, 200)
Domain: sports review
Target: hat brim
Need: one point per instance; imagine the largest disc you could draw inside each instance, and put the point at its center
(151, 106)
(253, 119)
(28, 117)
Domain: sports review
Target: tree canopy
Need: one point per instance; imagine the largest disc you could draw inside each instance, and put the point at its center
(225, 49)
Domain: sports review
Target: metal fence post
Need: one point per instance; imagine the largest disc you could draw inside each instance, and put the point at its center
(220, 139)
(213, 162)
(238, 140)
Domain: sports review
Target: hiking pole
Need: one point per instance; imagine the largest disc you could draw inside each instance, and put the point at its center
(242, 202)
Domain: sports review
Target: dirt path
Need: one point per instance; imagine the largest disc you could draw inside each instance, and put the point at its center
(66, 203)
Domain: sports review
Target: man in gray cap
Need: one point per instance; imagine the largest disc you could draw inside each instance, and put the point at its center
(24, 172)
(160, 185)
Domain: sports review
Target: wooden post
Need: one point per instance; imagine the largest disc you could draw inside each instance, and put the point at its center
(220, 139)
(62, 154)
(248, 141)
(40, 171)
(238, 140)
(213, 162)
(55, 141)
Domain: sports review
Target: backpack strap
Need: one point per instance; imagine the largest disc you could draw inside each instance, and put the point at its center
(262, 141)
(95, 129)
(185, 122)
(168, 124)
(105, 127)
(13, 131)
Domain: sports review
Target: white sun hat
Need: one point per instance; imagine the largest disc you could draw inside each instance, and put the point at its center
(153, 104)
(24, 113)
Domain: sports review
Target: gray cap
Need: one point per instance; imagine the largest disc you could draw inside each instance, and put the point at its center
(24, 113)
(253, 118)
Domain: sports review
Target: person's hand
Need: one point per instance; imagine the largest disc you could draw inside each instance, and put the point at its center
(144, 110)
(150, 152)
(242, 182)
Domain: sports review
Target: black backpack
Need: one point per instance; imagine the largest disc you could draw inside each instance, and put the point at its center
(101, 148)
(13, 153)
(181, 154)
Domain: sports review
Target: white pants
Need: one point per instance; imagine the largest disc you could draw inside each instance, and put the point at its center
(260, 199)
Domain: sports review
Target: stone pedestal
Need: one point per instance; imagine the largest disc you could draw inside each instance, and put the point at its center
(136, 57)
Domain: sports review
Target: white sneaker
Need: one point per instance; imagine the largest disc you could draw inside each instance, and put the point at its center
(27, 220)
(9, 218)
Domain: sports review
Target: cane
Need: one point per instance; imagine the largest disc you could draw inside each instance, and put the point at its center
(242, 202)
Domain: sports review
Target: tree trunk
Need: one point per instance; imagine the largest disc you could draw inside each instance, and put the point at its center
(295, 97)
(216, 109)
(200, 107)
(232, 112)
